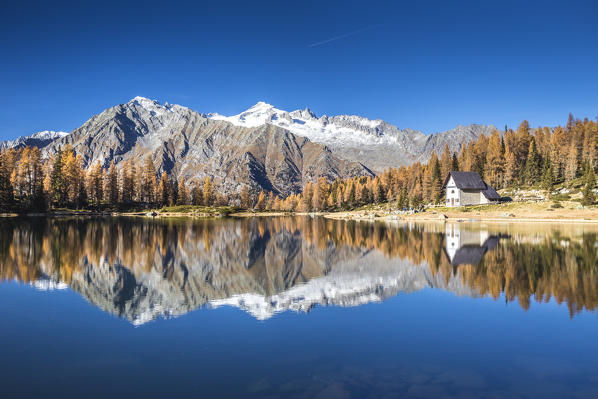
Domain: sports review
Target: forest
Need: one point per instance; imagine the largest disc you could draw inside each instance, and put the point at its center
(538, 158)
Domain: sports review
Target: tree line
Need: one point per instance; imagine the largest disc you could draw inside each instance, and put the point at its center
(525, 157)
(540, 157)
(30, 183)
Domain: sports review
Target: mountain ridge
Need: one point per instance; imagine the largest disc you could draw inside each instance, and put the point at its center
(265, 147)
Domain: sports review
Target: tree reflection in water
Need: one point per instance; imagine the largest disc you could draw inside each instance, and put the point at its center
(146, 268)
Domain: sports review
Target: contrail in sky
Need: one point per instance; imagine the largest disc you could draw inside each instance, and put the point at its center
(332, 39)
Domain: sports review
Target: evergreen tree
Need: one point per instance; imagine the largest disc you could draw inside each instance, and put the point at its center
(588, 196)
(148, 181)
(111, 185)
(164, 197)
(74, 178)
(95, 180)
(196, 194)
(455, 163)
(6, 189)
(128, 182)
(533, 165)
(572, 163)
(58, 185)
(548, 177)
(183, 195)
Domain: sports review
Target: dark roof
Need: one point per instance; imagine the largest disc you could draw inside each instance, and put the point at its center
(473, 254)
(490, 193)
(467, 180)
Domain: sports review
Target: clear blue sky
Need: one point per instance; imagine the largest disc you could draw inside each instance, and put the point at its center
(427, 66)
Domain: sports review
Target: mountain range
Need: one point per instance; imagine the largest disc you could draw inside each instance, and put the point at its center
(263, 147)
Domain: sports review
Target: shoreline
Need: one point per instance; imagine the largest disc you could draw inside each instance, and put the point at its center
(517, 212)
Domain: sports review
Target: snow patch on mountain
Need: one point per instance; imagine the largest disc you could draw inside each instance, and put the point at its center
(39, 139)
(339, 130)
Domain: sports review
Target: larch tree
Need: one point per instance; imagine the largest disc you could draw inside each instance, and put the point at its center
(572, 163)
(245, 197)
(446, 162)
(58, 185)
(183, 194)
(261, 201)
(164, 197)
(128, 181)
(548, 177)
(74, 177)
(95, 189)
(111, 185)
(196, 194)
(588, 196)
(147, 190)
(208, 191)
(495, 161)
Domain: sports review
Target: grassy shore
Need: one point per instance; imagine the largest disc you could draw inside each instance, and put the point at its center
(531, 211)
(522, 211)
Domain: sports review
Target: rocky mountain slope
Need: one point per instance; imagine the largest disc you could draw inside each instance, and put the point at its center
(263, 147)
(186, 144)
(375, 143)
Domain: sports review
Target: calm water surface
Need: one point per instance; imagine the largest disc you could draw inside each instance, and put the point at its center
(297, 308)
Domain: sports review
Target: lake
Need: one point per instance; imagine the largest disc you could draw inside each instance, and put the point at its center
(297, 307)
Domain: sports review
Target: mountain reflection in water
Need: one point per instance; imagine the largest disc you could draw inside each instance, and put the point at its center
(142, 269)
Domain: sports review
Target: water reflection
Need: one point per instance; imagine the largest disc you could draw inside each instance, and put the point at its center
(141, 269)
(468, 247)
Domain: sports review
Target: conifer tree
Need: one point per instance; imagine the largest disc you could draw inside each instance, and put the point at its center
(6, 189)
(208, 191)
(148, 181)
(455, 164)
(261, 201)
(495, 161)
(128, 182)
(183, 194)
(196, 194)
(270, 201)
(164, 197)
(95, 180)
(111, 185)
(572, 163)
(245, 197)
(533, 165)
(74, 179)
(588, 196)
(547, 177)
(446, 162)
(58, 185)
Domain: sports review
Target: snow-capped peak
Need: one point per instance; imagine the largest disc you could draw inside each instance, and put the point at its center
(39, 139)
(343, 130)
(48, 135)
(154, 106)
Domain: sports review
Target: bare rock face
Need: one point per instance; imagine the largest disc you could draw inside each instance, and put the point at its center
(187, 145)
(374, 143)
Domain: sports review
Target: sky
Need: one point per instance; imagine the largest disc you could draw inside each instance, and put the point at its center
(423, 65)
